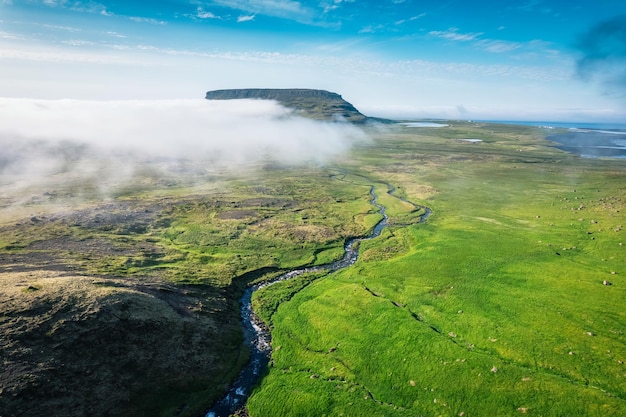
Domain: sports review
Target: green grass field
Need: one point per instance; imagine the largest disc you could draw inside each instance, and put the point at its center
(495, 306)
(190, 249)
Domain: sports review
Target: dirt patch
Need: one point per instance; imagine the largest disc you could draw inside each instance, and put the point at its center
(237, 214)
(82, 240)
(267, 202)
(125, 217)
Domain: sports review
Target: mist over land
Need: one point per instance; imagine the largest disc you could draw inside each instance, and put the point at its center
(107, 140)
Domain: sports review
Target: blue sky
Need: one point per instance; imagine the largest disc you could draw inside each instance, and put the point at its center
(512, 60)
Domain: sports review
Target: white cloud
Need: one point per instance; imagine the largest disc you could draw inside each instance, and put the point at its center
(453, 34)
(327, 59)
(287, 9)
(63, 28)
(497, 46)
(536, 47)
(115, 34)
(530, 5)
(371, 29)
(202, 132)
(329, 6)
(66, 56)
(202, 14)
(78, 42)
(8, 35)
(410, 19)
(245, 18)
(147, 20)
(80, 6)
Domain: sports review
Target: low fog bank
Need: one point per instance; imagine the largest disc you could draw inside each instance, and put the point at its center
(104, 142)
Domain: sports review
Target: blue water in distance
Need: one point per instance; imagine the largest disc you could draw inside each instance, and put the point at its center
(588, 140)
(565, 125)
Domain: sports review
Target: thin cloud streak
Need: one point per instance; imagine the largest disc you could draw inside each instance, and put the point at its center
(149, 20)
(202, 14)
(453, 34)
(79, 6)
(496, 46)
(276, 8)
(52, 55)
(247, 18)
(370, 66)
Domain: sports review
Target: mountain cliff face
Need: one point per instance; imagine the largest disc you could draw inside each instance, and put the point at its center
(315, 104)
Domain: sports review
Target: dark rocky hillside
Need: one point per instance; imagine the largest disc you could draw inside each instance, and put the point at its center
(75, 343)
(315, 104)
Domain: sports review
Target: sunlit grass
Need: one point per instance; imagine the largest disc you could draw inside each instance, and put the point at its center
(214, 239)
(495, 306)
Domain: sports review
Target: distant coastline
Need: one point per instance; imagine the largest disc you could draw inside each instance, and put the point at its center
(564, 125)
(587, 140)
(545, 124)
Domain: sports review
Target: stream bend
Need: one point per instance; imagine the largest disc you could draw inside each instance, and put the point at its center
(256, 334)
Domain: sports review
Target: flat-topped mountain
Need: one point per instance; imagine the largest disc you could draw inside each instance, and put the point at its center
(315, 104)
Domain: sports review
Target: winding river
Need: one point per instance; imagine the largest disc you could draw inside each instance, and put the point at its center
(258, 337)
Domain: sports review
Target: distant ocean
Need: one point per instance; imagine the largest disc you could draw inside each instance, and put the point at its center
(589, 140)
(565, 125)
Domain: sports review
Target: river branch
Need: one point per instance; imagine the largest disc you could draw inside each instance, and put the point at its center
(257, 335)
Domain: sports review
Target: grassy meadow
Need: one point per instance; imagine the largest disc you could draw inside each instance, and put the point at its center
(495, 306)
(144, 280)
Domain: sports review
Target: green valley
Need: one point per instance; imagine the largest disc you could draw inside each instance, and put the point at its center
(508, 300)
(494, 306)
